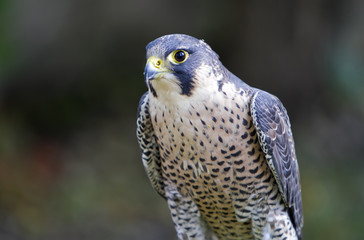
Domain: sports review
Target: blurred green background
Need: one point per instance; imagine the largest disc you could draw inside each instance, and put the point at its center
(71, 75)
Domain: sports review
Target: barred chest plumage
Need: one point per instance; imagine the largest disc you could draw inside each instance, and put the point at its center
(210, 151)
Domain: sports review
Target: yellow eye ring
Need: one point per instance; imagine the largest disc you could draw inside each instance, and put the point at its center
(178, 56)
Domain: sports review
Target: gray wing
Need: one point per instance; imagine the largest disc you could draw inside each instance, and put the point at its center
(148, 144)
(275, 137)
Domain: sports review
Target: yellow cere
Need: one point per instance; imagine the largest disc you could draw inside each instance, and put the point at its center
(157, 62)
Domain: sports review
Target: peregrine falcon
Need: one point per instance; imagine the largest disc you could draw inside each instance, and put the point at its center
(219, 151)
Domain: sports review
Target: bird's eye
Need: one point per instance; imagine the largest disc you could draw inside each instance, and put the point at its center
(178, 56)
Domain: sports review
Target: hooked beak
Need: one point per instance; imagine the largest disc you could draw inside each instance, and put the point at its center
(153, 69)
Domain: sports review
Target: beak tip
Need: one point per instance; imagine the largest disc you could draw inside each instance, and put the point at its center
(148, 77)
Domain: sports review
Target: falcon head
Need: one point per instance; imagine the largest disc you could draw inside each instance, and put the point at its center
(178, 64)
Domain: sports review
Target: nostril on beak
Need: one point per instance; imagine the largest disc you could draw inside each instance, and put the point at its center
(158, 63)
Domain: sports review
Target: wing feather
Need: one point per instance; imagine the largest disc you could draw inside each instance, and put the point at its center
(148, 144)
(271, 121)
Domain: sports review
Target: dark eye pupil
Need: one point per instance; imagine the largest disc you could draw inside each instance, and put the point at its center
(179, 56)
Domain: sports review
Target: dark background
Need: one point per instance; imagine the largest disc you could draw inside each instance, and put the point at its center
(71, 75)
